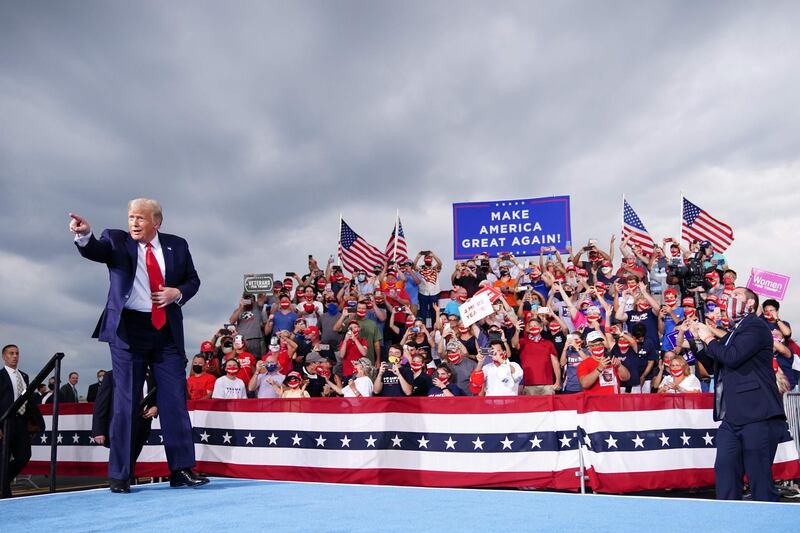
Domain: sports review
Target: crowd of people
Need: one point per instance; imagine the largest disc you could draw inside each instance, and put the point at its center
(560, 324)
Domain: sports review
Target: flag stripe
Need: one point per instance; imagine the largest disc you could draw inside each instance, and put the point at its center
(701, 225)
(634, 229)
(355, 252)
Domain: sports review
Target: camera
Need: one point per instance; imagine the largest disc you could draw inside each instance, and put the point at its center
(415, 329)
(692, 275)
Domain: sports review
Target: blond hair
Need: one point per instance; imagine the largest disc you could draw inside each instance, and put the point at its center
(150, 205)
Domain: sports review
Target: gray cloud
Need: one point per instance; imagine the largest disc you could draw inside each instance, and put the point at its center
(257, 123)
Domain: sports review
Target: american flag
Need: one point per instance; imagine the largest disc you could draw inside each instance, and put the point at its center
(355, 252)
(628, 442)
(402, 250)
(633, 227)
(699, 225)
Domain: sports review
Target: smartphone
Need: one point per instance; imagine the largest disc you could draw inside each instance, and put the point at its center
(310, 257)
(543, 310)
(247, 301)
(398, 309)
(229, 327)
(290, 274)
(324, 346)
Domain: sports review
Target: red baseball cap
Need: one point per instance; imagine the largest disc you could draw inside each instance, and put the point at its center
(687, 302)
(311, 330)
(207, 346)
(476, 379)
(583, 272)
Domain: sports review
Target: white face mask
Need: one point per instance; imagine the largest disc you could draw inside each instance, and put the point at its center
(606, 270)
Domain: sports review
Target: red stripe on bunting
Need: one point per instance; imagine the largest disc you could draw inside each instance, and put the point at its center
(644, 402)
(563, 480)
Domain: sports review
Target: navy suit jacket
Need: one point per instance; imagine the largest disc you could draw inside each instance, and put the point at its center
(32, 413)
(119, 252)
(743, 361)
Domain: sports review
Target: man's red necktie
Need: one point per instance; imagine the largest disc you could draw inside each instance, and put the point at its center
(159, 315)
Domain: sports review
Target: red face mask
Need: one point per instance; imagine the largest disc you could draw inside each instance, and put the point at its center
(623, 346)
(463, 331)
(415, 366)
(231, 370)
(534, 332)
(288, 286)
(593, 317)
(643, 306)
(324, 372)
(631, 284)
(428, 261)
(369, 305)
(379, 299)
(462, 299)
(677, 372)
(293, 383)
(689, 312)
(444, 379)
(769, 316)
(285, 304)
(309, 297)
(361, 313)
(321, 283)
(598, 351)
(670, 300)
(454, 357)
(554, 328)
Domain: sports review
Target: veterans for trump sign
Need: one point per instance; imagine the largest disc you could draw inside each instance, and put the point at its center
(521, 227)
(768, 284)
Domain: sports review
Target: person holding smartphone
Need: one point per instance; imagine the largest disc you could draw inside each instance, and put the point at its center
(600, 374)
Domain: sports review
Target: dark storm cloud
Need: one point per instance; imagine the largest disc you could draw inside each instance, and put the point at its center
(257, 123)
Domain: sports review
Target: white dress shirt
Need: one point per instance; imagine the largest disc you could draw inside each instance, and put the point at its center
(499, 381)
(12, 373)
(140, 297)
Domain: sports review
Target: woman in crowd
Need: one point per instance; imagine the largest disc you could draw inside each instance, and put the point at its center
(443, 383)
(353, 348)
(360, 384)
(294, 386)
(230, 387)
(679, 379)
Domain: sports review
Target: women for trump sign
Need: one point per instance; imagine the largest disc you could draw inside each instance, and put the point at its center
(521, 227)
(768, 283)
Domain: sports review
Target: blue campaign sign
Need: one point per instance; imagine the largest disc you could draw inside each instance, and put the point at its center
(521, 227)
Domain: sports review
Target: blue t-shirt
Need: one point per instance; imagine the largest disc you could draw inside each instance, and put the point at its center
(283, 322)
(412, 288)
(571, 382)
(783, 363)
(648, 351)
(669, 325)
(436, 391)
(452, 308)
(540, 287)
(629, 360)
(391, 383)
(650, 321)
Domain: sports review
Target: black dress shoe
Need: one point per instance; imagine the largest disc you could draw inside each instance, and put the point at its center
(186, 478)
(119, 486)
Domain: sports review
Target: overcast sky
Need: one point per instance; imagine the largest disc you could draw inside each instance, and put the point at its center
(256, 123)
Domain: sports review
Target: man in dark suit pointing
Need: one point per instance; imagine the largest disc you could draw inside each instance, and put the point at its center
(746, 400)
(152, 276)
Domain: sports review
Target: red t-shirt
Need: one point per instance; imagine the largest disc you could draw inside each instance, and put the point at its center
(392, 293)
(201, 386)
(607, 383)
(534, 358)
(247, 364)
(351, 354)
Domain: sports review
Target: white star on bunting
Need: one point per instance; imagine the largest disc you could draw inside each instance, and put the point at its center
(226, 439)
(450, 443)
(536, 442)
(296, 440)
(506, 443)
(611, 441)
(371, 441)
(272, 439)
(708, 438)
(638, 442)
(478, 443)
(204, 436)
(664, 439)
(59, 438)
(423, 442)
(321, 440)
(396, 441)
(75, 439)
(565, 441)
(249, 438)
(685, 438)
(345, 441)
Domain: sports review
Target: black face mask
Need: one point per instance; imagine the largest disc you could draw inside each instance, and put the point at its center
(51, 386)
(197, 369)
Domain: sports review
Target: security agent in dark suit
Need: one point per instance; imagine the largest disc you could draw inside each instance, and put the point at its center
(68, 393)
(104, 410)
(151, 276)
(91, 394)
(13, 383)
(746, 400)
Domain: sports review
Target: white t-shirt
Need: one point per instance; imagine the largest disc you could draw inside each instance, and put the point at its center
(689, 384)
(311, 319)
(499, 381)
(229, 389)
(364, 386)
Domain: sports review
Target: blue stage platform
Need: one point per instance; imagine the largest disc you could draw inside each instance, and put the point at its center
(251, 506)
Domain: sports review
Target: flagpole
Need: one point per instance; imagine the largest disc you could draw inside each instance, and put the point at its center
(680, 222)
(339, 242)
(622, 231)
(396, 224)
